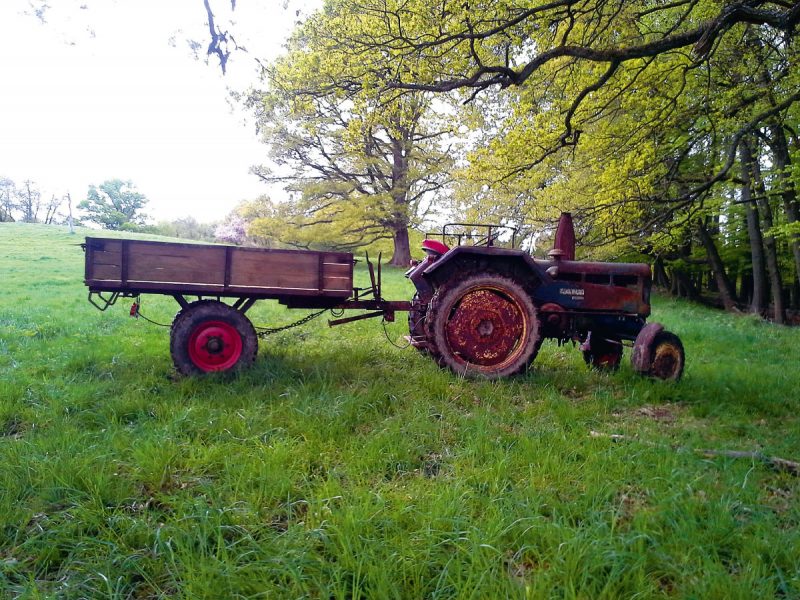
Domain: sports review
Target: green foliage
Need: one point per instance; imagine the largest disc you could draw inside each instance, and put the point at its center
(186, 228)
(359, 167)
(115, 204)
(341, 467)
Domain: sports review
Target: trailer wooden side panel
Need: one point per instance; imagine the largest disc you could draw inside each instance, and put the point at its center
(165, 267)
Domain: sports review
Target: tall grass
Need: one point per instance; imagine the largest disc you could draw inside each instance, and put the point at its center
(342, 467)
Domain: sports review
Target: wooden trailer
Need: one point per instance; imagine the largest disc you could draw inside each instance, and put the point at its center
(139, 266)
(210, 333)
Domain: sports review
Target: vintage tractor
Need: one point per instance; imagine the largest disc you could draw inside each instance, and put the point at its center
(483, 310)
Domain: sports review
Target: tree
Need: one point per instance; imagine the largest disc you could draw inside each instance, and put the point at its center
(8, 193)
(115, 204)
(355, 179)
(360, 167)
(232, 231)
(29, 201)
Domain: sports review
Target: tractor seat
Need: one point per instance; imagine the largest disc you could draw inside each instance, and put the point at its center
(434, 247)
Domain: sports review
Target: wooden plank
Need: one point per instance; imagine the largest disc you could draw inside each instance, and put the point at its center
(228, 258)
(161, 287)
(143, 247)
(105, 272)
(124, 262)
(104, 258)
(334, 283)
(343, 270)
(274, 270)
(104, 244)
(202, 265)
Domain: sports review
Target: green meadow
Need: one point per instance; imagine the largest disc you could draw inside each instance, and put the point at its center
(340, 466)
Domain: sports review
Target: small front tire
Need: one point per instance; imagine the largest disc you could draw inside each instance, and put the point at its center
(667, 357)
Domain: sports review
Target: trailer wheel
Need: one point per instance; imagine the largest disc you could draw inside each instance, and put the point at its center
(604, 354)
(667, 357)
(212, 336)
(483, 326)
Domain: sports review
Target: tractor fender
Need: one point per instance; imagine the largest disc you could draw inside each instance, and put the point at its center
(640, 357)
(490, 254)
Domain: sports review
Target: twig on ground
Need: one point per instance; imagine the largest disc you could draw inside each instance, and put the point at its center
(775, 462)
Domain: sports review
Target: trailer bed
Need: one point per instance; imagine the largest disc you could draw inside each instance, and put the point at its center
(138, 266)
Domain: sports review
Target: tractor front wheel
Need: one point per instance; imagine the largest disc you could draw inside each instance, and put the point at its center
(212, 336)
(667, 357)
(483, 326)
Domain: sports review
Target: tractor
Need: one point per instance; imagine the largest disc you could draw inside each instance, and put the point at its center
(483, 310)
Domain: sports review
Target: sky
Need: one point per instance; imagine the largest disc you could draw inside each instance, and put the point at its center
(107, 89)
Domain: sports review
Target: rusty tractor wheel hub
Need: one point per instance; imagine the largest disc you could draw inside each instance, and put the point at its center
(666, 361)
(485, 327)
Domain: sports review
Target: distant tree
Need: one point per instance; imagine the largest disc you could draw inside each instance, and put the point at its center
(8, 194)
(187, 228)
(51, 209)
(115, 204)
(68, 198)
(29, 201)
(233, 231)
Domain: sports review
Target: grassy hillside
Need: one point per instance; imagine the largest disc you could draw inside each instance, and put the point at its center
(342, 467)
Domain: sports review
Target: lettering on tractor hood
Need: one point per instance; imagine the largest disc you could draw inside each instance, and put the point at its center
(574, 293)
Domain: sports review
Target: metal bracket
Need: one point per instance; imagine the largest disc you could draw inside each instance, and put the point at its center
(103, 303)
(370, 315)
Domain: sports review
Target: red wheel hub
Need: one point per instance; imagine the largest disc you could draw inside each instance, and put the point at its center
(215, 346)
(485, 327)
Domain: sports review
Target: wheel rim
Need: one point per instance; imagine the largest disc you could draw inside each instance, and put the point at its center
(215, 346)
(667, 361)
(486, 328)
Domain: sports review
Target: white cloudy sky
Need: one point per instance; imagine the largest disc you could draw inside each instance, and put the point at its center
(99, 92)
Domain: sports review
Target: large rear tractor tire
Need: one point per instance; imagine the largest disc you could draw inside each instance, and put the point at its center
(210, 336)
(483, 326)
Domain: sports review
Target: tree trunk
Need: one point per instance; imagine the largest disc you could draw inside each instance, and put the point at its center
(69, 205)
(758, 303)
(770, 245)
(683, 285)
(727, 294)
(402, 248)
(660, 277)
(746, 288)
(788, 192)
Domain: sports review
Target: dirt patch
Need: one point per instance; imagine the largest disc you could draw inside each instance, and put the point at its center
(662, 414)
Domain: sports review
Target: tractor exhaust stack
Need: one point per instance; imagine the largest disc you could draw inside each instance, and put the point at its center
(564, 245)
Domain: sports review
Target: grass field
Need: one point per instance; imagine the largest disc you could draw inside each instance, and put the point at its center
(342, 467)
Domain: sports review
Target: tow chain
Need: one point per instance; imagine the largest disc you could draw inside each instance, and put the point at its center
(136, 313)
(263, 332)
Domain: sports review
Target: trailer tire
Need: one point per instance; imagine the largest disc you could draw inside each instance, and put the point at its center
(211, 336)
(484, 325)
